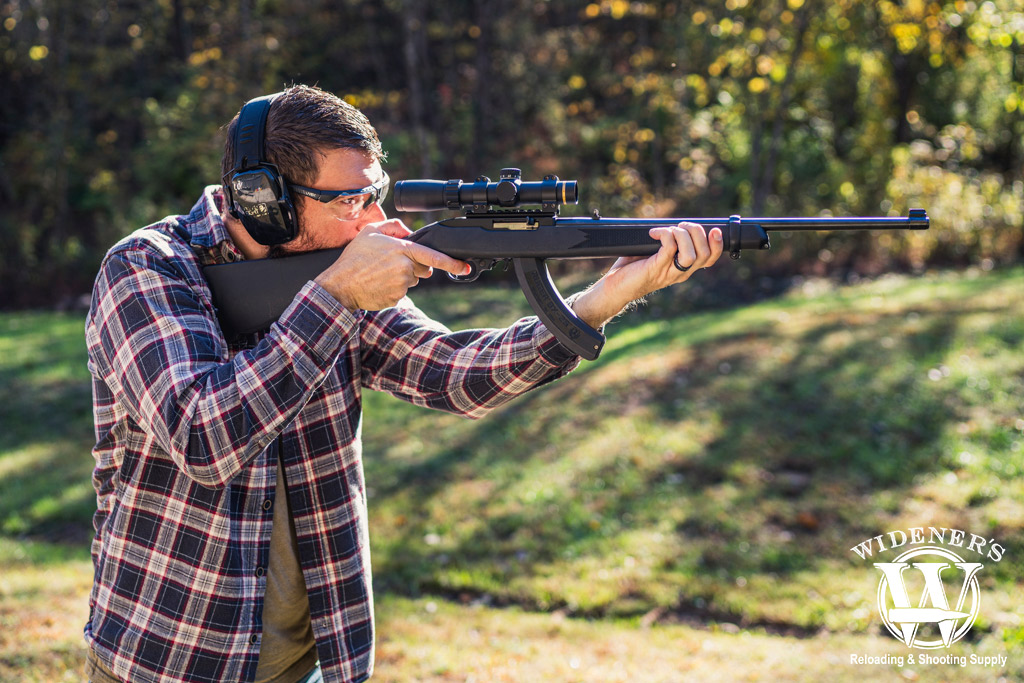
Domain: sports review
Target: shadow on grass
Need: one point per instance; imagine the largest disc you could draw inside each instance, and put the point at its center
(46, 413)
(813, 430)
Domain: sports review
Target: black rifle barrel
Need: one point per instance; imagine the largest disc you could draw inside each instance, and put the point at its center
(917, 219)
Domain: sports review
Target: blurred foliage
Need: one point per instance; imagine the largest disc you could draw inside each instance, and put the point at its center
(111, 112)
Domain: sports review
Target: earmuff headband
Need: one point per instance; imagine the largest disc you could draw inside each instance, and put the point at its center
(251, 132)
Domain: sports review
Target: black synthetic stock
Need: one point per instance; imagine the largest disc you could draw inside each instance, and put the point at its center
(251, 295)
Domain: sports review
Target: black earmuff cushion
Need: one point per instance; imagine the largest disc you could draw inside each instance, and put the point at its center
(263, 205)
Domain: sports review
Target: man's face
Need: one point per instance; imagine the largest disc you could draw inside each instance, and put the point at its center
(329, 226)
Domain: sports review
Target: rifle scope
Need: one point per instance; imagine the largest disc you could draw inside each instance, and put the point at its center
(510, 191)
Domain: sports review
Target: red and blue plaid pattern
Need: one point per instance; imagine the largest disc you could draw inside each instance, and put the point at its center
(189, 431)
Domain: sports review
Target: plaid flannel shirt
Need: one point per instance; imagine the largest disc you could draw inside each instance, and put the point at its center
(189, 431)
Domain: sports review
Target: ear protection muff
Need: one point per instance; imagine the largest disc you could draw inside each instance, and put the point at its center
(257, 194)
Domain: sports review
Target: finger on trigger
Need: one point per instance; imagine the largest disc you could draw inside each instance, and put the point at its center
(436, 259)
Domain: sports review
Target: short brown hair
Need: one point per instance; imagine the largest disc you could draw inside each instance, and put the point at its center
(303, 123)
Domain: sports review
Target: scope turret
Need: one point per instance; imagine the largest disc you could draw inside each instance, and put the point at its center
(508, 192)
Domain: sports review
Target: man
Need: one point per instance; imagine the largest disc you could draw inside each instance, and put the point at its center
(231, 533)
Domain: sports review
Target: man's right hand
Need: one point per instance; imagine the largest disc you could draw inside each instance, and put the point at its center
(378, 267)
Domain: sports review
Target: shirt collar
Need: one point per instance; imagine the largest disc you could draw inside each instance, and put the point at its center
(206, 230)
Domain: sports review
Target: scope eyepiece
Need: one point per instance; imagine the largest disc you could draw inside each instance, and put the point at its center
(509, 192)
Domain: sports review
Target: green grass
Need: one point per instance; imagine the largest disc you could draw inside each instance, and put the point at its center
(691, 496)
(46, 413)
(438, 642)
(46, 498)
(723, 462)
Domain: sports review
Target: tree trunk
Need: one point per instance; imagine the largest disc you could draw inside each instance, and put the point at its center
(414, 49)
(766, 180)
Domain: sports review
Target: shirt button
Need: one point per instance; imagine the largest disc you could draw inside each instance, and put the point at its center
(253, 639)
(267, 504)
(260, 572)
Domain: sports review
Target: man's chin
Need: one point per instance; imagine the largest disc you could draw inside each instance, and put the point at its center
(279, 251)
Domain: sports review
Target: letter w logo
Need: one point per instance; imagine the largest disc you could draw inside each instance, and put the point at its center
(904, 620)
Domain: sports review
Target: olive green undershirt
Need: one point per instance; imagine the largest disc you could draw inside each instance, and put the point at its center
(287, 651)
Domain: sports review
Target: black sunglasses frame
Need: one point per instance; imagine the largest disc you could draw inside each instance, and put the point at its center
(377, 192)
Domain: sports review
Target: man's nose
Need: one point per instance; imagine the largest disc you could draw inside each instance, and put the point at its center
(374, 214)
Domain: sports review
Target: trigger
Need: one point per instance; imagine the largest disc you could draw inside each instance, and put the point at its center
(476, 267)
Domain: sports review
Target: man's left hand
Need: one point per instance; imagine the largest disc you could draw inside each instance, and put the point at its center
(685, 249)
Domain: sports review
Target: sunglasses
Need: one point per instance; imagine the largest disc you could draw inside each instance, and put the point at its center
(351, 203)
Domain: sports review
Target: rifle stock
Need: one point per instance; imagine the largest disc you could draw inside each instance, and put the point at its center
(250, 296)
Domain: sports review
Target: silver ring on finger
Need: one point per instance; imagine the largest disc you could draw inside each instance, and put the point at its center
(680, 268)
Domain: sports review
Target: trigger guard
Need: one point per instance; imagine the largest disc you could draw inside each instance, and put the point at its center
(472, 277)
(474, 273)
(476, 268)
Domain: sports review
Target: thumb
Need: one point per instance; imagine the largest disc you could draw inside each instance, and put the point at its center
(392, 228)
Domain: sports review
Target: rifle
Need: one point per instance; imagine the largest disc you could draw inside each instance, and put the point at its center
(251, 295)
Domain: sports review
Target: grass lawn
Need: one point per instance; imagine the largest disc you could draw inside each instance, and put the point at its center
(684, 508)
